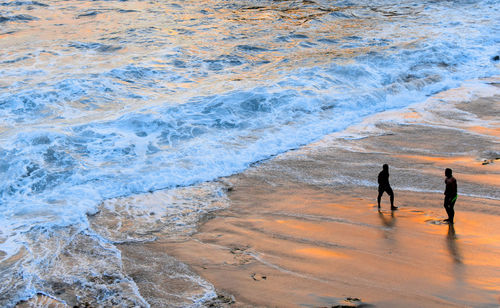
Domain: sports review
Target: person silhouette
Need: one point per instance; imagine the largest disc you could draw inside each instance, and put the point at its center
(450, 194)
(384, 186)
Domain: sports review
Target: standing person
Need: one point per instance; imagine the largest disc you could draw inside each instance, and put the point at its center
(450, 195)
(383, 185)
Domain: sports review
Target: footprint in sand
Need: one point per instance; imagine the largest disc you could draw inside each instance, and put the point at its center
(417, 211)
(489, 161)
(351, 302)
(241, 256)
(258, 277)
(436, 222)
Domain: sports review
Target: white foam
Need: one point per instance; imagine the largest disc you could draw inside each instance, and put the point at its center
(115, 115)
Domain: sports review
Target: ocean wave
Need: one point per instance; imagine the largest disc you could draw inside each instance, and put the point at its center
(17, 18)
(23, 3)
(187, 94)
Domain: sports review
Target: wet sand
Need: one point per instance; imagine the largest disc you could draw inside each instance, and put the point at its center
(303, 229)
(303, 246)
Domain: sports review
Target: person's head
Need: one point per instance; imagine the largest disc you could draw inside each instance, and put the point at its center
(448, 172)
(385, 167)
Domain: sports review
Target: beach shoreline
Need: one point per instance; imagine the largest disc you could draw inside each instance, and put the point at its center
(226, 153)
(303, 230)
(291, 237)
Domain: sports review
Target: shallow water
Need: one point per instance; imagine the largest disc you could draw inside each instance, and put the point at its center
(107, 99)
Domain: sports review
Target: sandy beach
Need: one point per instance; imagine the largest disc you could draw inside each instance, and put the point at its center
(226, 153)
(303, 246)
(303, 229)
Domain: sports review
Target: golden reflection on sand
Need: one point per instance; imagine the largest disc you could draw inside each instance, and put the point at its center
(472, 164)
(321, 253)
(485, 130)
(411, 115)
(298, 225)
(480, 258)
(491, 283)
(343, 248)
(460, 160)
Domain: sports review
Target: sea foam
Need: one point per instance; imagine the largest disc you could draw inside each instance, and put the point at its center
(178, 95)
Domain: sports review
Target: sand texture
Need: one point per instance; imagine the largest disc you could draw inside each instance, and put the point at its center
(303, 229)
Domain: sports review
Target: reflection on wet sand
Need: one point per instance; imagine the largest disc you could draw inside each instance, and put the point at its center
(388, 222)
(300, 256)
(457, 267)
(327, 251)
(389, 229)
(451, 241)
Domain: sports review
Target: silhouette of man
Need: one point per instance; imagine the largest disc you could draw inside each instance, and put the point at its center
(450, 195)
(383, 185)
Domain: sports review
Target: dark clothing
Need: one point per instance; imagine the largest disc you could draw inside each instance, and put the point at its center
(451, 187)
(386, 188)
(383, 178)
(449, 206)
(450, 197)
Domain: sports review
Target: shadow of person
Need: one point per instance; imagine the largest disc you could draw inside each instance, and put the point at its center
(451, 242)
(388, 222)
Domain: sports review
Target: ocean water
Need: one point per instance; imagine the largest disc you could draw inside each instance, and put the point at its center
(102, 100)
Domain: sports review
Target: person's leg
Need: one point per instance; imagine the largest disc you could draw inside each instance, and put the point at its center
(446, 206)
(391, 195)
(379, 197)
(451, 211)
